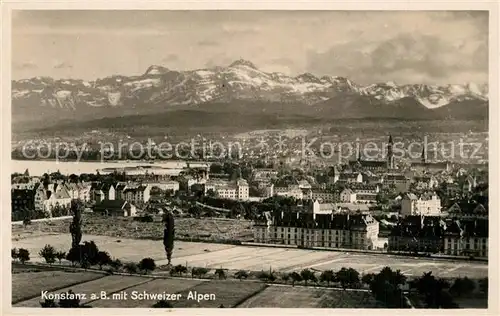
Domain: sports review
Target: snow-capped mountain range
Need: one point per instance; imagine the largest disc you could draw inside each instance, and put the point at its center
(161, 87)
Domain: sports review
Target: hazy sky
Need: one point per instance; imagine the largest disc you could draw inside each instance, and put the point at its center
(366, 46)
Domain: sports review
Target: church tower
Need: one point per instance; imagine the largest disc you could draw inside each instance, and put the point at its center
(390, 154)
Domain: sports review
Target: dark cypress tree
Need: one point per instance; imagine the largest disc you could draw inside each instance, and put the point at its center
(75, 227)
(168, 234)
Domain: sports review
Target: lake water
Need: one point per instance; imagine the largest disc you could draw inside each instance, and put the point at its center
(39, 167)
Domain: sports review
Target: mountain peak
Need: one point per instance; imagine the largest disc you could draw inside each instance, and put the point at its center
(243, 62)
(156, 70)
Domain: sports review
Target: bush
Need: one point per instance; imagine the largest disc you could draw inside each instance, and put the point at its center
(199, 272)
(48, 303)
(48, 253)
(462, 286)
(103, 258)
(130, 267)
(147, 265)
(23, 255)
(14, 254)
(60, 255)
(178, 270)
(116, 264)
(162, 304)
(242, 274)
(220, 273)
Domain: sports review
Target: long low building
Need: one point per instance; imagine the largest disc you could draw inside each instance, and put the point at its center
(306, 229)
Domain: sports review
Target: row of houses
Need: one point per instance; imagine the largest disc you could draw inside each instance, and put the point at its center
(433, 234)
(46, 197)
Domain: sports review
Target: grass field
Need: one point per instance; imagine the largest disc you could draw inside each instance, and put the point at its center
(30, 284)
(260, 258)
(210, 229)
(302, 297)
(227, 293)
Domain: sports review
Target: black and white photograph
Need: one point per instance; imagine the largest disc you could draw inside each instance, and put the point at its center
(322, 159)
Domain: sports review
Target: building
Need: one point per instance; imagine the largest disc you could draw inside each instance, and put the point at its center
(347, 196)
(166, 185)
(424, 182)
(428, 204)
(468, 210)
(22, 200)
(467, 237)
(137, 195)
(237, 190)
(423, 166)
(354, 177)
(418, 234)
(264, 174)
(115, 208)
(325, 196)
(59, 198)
(102, 191)
(358, 231)
(377, 166)
(399, 181)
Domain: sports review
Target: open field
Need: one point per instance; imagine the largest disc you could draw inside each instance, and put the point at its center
(304, 297)
(30, 284)
(210, 229)
(228, 293)
(260, 258)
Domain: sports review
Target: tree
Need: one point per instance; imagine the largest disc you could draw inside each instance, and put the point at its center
(14, 254)
(483, 285)
(74, 255)
(242, 274)
(307, 275)
(347, 277)
(48, 253)
(75, 227)
(462, 286)
(169, 235)
(386, 288)
(23, 255)
(48, 303)
(285, 277)
(295, 278)
(89, 254)
(162, 304)
(60, 255)
(130, 267)
(116, 264)
(368, 278)
(147, 265)
(103, 258)
(220, 273)
(327, 276)
(434, 291)
(70, 300)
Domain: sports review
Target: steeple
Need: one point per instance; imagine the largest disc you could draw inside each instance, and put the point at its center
(424, 155)
(390, 154)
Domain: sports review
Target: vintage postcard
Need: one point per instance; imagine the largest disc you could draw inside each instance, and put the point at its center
(184, 157)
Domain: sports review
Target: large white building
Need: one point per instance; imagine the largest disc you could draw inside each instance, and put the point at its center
(237, 190)
(358, 231)
(427, 204)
